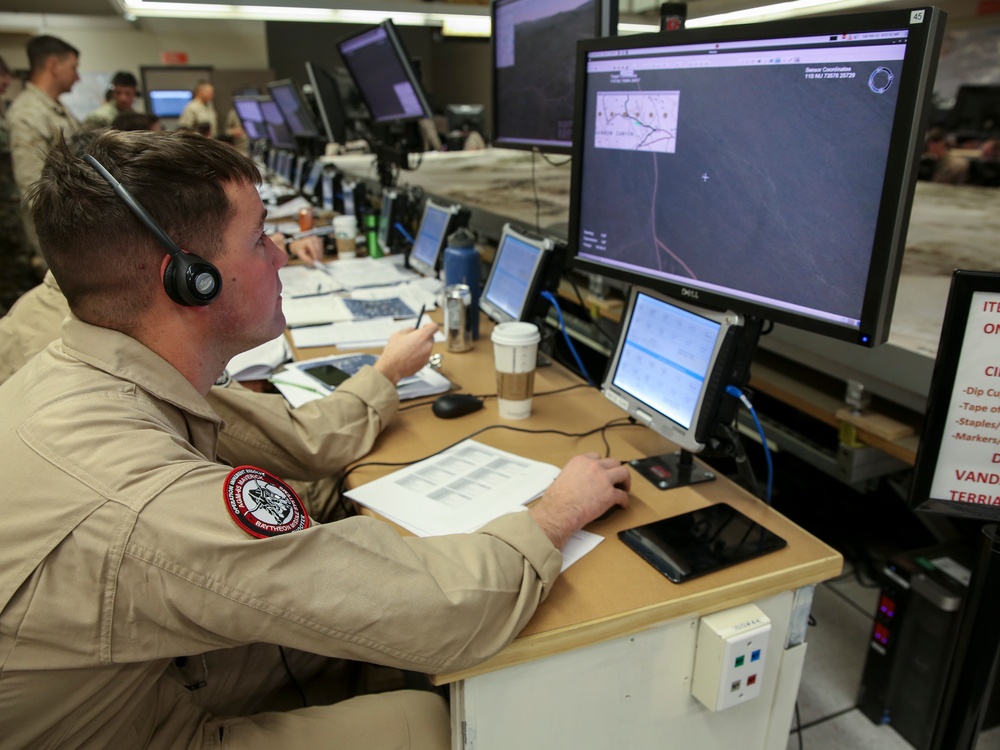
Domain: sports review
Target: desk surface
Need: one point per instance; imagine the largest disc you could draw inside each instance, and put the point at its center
(611, 591)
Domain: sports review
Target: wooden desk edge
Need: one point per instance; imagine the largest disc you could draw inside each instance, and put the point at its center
(540, 645)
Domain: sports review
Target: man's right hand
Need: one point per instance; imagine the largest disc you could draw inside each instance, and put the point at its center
(406, 352)
(586, 487)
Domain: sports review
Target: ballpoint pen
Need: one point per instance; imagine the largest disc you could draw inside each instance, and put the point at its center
(420, 316)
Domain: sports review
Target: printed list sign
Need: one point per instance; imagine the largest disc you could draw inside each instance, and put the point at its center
(968, 463)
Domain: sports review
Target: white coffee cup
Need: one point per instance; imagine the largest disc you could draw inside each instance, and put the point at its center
(515, 352)
(345, 230)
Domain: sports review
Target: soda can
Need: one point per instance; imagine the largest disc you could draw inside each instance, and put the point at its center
(458, 317)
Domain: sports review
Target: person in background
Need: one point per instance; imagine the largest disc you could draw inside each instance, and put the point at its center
(16, 274)
(199, 114)
(130, 540)
(136, 121)
(121, 96)
(36, 119)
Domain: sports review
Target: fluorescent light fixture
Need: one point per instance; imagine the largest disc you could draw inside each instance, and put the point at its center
(778, 10)
(152, 9)
(467, 26)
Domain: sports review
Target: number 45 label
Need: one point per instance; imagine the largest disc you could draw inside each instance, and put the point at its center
(917, 16)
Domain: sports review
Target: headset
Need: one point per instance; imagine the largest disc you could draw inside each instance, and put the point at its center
(188, 279)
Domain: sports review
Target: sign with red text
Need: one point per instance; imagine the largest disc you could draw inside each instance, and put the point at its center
(958, 464)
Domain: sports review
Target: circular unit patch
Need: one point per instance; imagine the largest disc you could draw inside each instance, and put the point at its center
(261, 504)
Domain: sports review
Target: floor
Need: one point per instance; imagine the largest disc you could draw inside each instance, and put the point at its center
(838, 644)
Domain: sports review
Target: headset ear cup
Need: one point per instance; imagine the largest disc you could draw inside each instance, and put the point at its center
(170, 283)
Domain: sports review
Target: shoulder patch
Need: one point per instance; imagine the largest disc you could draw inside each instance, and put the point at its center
(261, 504)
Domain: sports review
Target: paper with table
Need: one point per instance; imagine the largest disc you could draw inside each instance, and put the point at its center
(462, 489)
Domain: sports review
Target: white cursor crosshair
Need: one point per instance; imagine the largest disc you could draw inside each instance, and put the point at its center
(704, 177)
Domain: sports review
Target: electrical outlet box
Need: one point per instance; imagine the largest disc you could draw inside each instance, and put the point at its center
(729, 656)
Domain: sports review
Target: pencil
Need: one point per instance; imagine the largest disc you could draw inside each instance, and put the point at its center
(420, 316)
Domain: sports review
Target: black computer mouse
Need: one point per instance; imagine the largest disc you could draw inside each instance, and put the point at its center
(452, 405)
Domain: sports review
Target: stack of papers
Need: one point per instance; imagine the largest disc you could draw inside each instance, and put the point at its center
(361, 334)
(462, 489)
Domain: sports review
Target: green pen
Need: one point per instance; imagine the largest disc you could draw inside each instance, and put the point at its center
(297, 385)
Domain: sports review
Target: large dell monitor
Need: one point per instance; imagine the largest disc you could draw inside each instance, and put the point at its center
(297, 115)
(517, 275)
(534, 49)
(384, 74)
(766, 168)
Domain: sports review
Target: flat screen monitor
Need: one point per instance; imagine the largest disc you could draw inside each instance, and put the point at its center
(438, 221)
(169, 103)
(299, 171)
(534, 49)
(355, 198)
(297, 115)
(516, 277)
(394, 204)
(670, 367)
(277, 129)
(384, 75)
(766, 168)
(329, 105)
(251, 116)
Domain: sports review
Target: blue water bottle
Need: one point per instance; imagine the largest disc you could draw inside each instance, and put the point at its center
(461, 266)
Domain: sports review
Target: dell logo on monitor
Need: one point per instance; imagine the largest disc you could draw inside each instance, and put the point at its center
(692, 293)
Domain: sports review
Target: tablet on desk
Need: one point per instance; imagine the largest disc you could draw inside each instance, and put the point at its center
(700, 542)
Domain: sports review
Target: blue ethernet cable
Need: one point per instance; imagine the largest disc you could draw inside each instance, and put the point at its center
(569, 342)
(402, 231)
(735, 392)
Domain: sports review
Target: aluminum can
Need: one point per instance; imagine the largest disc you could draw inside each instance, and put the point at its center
(458, 317)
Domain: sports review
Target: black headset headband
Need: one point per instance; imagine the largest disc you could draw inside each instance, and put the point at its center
(188, 279)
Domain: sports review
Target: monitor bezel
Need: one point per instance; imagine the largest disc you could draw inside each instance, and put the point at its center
(403, 58)
(546, 248)
(452, 212)
(905, 144)
(710, 397)
(287, 84)
(605, 25)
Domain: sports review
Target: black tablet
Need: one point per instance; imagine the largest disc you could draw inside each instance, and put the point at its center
(701, 541)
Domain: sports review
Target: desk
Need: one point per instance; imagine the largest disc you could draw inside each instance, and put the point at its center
(606, 661)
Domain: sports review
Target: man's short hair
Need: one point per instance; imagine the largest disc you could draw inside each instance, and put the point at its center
(106, 261)
(125, 79)
(41, 48)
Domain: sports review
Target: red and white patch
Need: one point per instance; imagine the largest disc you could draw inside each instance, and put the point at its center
(261, 504)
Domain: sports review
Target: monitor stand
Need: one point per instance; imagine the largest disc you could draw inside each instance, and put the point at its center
(671, 470)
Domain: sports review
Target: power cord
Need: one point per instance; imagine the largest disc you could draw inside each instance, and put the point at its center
(735, 392)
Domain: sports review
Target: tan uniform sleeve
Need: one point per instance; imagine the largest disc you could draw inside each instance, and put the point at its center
(28, 147)
(312, 441)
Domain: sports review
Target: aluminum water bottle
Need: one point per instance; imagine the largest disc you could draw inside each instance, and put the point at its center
(461, 266)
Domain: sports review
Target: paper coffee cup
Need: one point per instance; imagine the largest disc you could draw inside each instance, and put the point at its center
(345, 230)
(515, 352)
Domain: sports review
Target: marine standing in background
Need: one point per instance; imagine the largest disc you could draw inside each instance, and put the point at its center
(199, 114)
(36, 118)
(122, 92)
(16, 275)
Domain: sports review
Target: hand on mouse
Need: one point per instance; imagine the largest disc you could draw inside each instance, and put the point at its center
(586, 487)
(406, 352)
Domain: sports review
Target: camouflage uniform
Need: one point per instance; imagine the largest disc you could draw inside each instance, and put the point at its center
(103, 116)
(16, 274)
(196, 112)
(35, 121)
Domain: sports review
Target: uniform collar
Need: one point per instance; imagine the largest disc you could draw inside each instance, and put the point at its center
(126, 359)
(54, 104)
